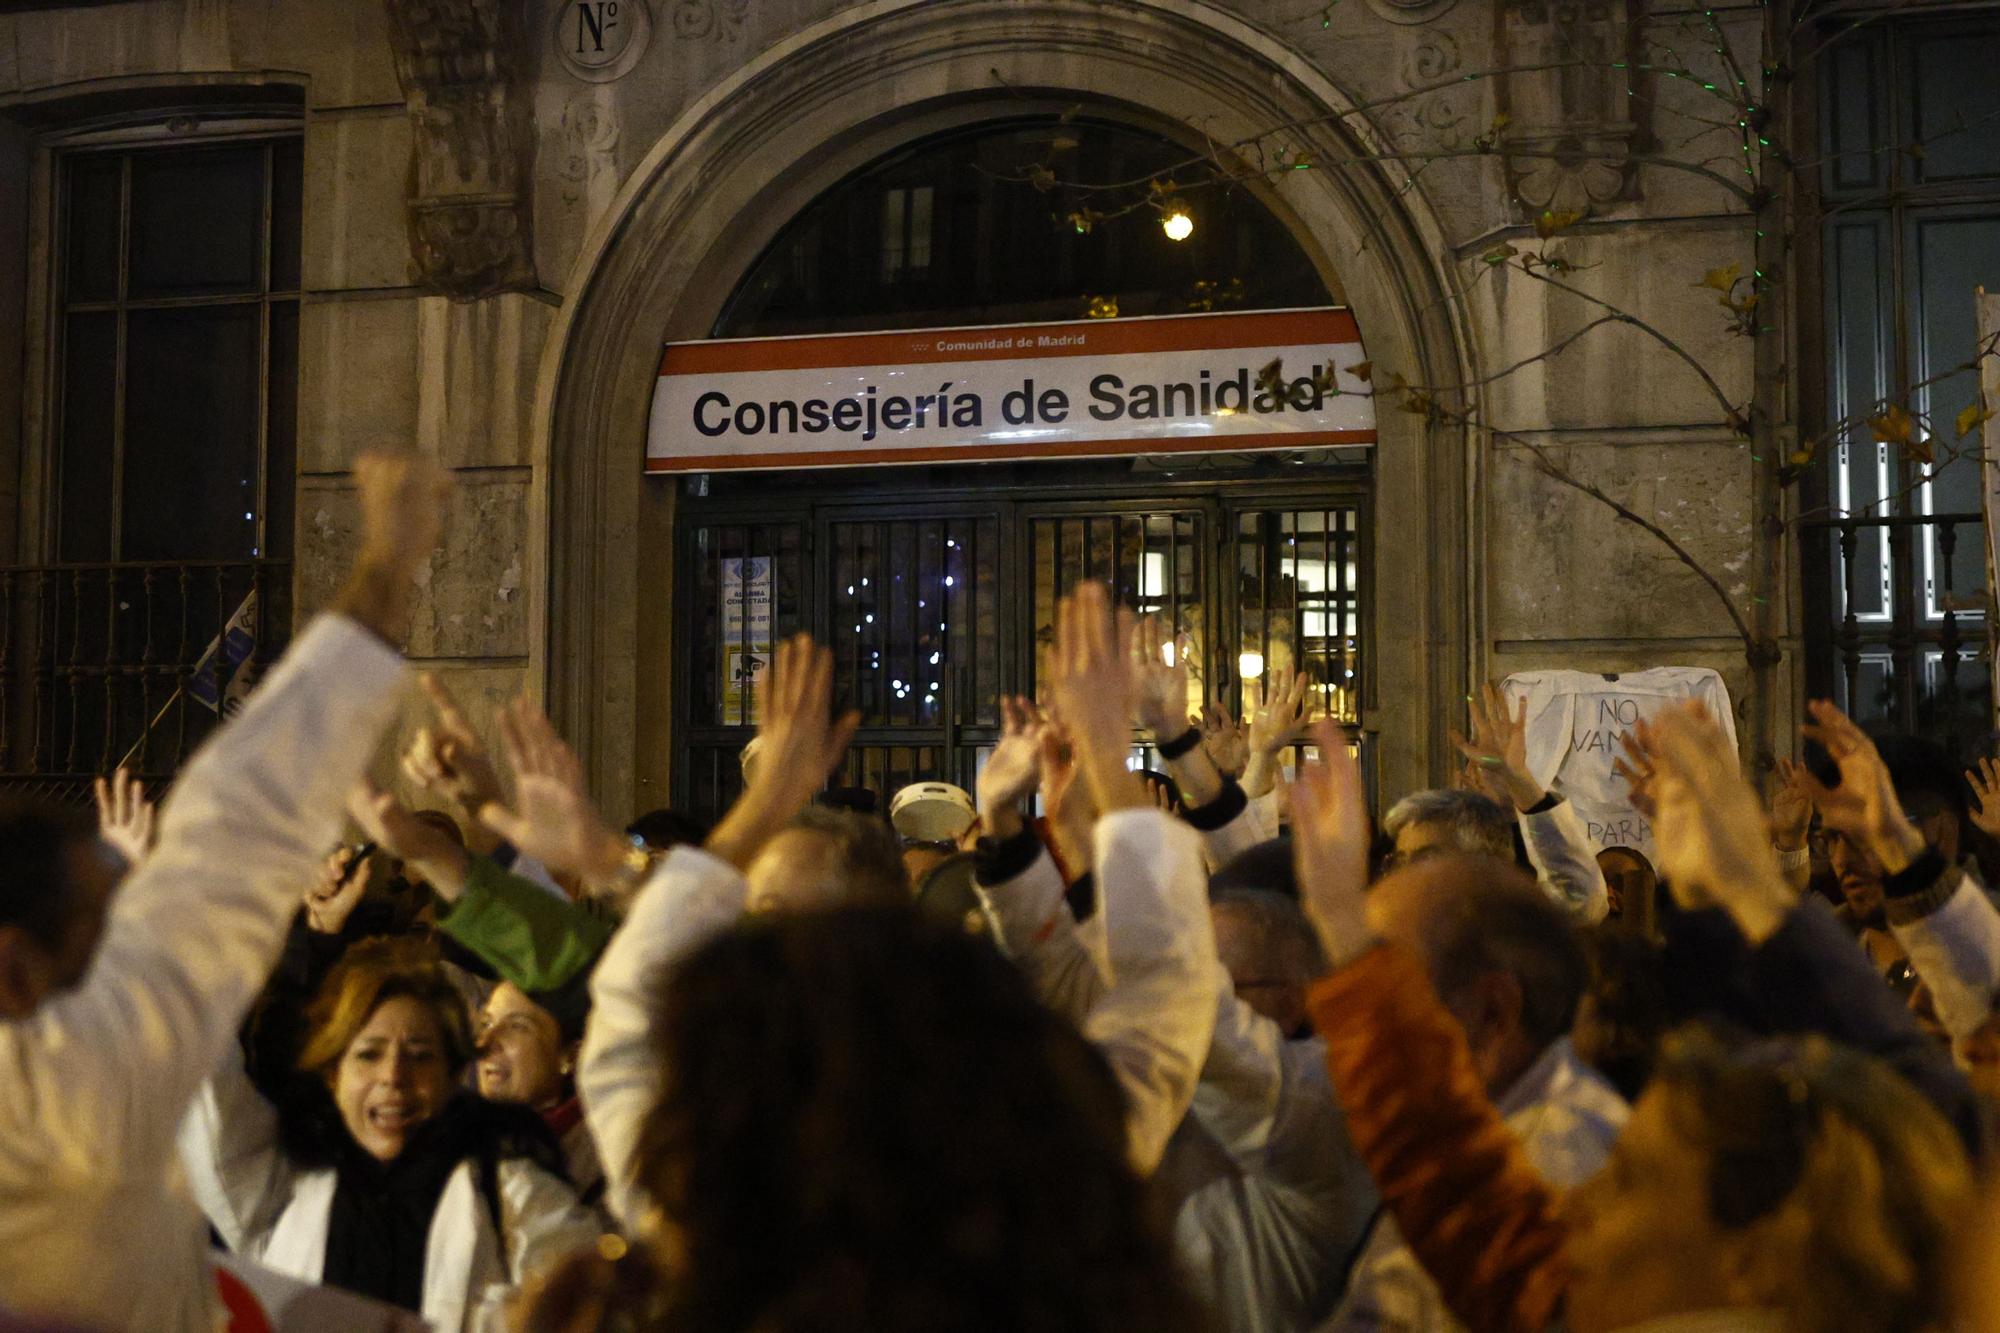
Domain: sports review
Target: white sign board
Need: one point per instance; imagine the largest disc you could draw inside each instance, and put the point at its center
(1575, 719)
(1270, 380)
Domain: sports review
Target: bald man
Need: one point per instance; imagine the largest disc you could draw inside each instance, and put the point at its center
(1507, 963)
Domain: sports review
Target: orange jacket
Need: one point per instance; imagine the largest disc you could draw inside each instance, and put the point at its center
(1457, 1181)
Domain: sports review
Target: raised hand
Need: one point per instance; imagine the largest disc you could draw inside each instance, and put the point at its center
(338, 891)
(801, 744)
(1478, 778)
(1281, 718)
(1500, 743)
(1864, 806)
(427, 849)
(553, 818)
(1226, 739)
(125, 816)
(1985, 809)
(1159, 680)
(1013, 769)
(1330, 846)
(448, 757)
(1791, 807)
(1276, 723)
(1091, 684)
(402, 513)
(1713, 839)
(1065, 801)
(1636, 767)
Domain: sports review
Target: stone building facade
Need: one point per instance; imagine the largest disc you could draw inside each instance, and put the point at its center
(498, 235)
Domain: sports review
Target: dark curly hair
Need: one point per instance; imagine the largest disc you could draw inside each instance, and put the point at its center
(869, 1122)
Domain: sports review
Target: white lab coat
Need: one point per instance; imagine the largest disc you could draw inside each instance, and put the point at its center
(690, 898)
(1277, 1201)
(1566, 1116)
(1270, 1197)
(95, 1226)
(1134, 977)
(267, 1208)
(1149, 871)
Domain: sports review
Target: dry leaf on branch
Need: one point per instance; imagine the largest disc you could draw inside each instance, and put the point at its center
(1549, 223)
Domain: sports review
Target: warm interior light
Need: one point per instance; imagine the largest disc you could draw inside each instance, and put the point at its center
(1250, 666)
(1167, 653)
(1178, 225)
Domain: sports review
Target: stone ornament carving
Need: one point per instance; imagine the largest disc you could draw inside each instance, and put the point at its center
(461, 63)
(590, 134)
(601, 40)
(719, 20)
(1570, 130)
(1437, 119)
(1411, 11)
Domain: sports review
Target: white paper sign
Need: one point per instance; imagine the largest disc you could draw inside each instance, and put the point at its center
(1575, 719)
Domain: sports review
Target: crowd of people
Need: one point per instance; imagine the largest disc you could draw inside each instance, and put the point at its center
(1200, 1048)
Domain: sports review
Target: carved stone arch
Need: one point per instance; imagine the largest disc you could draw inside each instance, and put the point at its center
(756, 149)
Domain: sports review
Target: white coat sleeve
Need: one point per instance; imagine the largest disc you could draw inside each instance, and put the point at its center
(229, 1149)
(1243, 1077)
(98, 1080)
(1955, 948)
(542, 1218)
(1039, 933)
(690, 898)
(1154, 1022)
(1565, 863)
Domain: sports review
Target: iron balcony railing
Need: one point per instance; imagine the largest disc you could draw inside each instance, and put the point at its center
(132, 663)
(1904, 643)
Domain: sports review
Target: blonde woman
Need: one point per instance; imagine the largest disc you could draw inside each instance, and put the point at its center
(388, 1178)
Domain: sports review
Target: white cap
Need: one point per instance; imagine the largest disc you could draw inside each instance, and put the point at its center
(932, 812)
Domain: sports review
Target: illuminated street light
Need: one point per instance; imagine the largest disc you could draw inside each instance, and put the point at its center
(1178, 225)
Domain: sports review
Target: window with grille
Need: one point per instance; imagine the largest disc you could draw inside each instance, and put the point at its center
(171, 469)
(1909, 187)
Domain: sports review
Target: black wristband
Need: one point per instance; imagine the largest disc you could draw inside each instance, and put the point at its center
(1543, 806)
(1918, 875)
(1174, 749)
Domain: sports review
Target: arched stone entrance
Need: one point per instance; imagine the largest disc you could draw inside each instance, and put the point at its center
(741, 161)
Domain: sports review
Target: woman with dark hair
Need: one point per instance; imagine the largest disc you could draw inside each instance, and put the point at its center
(871, 1123)
(385, 1176)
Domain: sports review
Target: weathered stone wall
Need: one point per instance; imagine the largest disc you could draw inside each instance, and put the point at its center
(406, 339)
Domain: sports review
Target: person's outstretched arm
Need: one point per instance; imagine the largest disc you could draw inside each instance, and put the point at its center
(1154, 1021)
(1558, 843)
(1808, 982)
(99, 1076)
(1459, 1184)
(688, 899)
(529, 936)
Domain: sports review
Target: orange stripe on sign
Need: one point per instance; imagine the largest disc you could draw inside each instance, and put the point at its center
(1315, 439)
(1010, 342)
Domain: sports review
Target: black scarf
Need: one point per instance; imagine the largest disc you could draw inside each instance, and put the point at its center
(380, 1226)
